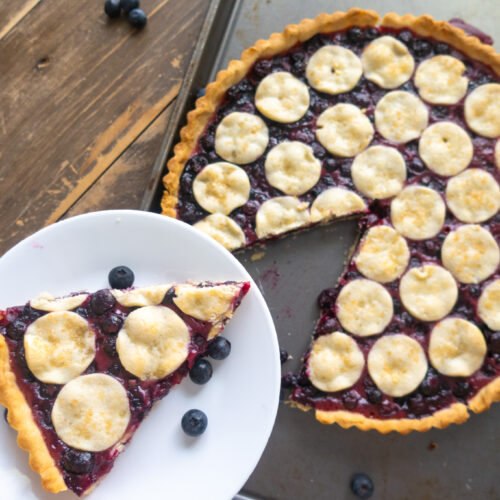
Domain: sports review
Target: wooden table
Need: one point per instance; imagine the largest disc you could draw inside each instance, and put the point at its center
(84, 101)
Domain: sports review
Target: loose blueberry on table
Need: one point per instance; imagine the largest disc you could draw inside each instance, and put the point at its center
(77, 399)
(401, 129)
(362, 486)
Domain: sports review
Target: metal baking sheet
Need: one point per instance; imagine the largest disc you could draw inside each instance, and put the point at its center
(305, 459)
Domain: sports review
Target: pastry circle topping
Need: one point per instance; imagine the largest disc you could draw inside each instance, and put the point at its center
(139, 297)
(221, 187)
(470, 253)
(418, 212)
(46, 302)
(488, 306)
(282, 97)
(205, 303)
(241, 138)
(335, 363)
(473, 196)
(400, 116)
(153, 342)
(223, 230)
(497, 154)
(383, 254)
(397, 364)
(59, 346)
(91, 412)
(281, 214)
(333, 69)
(292, 167)
(364, 307)
(440, 80)
(387, 62)
(446, 148)
(428, 292)
(379, 172)
(456, 347)
(335, 202)
(344, 130)
(482, 110)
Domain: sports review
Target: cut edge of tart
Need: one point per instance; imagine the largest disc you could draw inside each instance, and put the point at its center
(207, 312)
(198, 118)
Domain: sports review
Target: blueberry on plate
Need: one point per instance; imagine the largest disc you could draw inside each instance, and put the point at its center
(194, 423)
(128, 5)
(201, 372)
(5, 412)
(362, 486)
(102, 301)
(121, 277)
(219, 349)
(78, 462)
(283, 355)
(137, 18)
(112, 8)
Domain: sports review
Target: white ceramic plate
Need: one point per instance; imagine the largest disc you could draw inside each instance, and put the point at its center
(240, 400)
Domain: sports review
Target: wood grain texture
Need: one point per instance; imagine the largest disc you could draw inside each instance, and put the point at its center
(12, 12)
(124, 183)
(76, 90)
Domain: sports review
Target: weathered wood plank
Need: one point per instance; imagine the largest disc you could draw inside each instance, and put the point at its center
(124, 183)
(12, 12)
(75, 95)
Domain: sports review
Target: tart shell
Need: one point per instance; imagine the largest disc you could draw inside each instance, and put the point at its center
(29, 437)
(198, 119)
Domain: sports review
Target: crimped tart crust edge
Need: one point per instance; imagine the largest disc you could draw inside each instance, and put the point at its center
(29, 437)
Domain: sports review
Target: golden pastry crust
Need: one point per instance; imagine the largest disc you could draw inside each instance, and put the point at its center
(205, 106)
(485, 397)
(198, 118)
(29, 437)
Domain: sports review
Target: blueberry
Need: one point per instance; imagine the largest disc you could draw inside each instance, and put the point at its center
(112, 8)
(494, 343)
(355, 35)
(405, 36)
(121, 277)
(461, 389)
(326, 298)
(362, 485)
(219, 348)
(194, 423)
(78, 462)
(371, 34)
(350, 399)
(422, 48)
(16, 329)
(283, 355)
(82, 311)
(30, 313)
(137, 18)
(475, 291)
(128, 5)
(112, 324)
(5, 412)
(442, 48)
(102, 301)
(262, 68)
(374, 396)
(201, 372)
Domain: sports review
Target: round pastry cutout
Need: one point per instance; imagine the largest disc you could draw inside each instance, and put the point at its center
(488, 306)
(428, 292)
(482, 110)
(446, 148)
(91, 412)
(418, 212)
(379, 172)
(397, 364)
(59, 346)
(364, 307)
(292, 167)
(241, 138)
(387, 62)
(441, 80)
(335, 202)
(153, 342)
(221, 187)
(344, 130)
(383, 254)
(456, 347)
(335, 363)
(333, 69)
(401, 116)
(470, 253)
(223, 230)
(281, 214)
(282, 97)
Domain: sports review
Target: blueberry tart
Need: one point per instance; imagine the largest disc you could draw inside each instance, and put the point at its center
(393, 119)
(78, 374)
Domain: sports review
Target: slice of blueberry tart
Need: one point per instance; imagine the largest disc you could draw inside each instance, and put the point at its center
(396, 120)
(78, 374)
